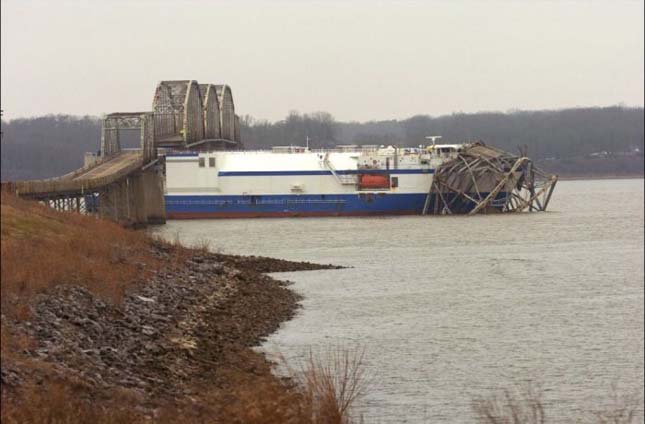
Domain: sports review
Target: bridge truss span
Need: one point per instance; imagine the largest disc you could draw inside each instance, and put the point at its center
(127, 185)
(114, 123)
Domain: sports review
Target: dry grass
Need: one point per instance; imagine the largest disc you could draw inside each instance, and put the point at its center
(322, 391)
(332, 383)
(525, 405)
(621, 409)
(323, 394)
(202, 245)
(257, 399)
(42, 248)
(63, 402)
(521, 406)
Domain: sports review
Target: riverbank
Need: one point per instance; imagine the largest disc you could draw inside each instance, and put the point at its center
(108, 325)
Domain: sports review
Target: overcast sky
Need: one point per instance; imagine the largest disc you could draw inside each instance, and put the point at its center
(358, 60)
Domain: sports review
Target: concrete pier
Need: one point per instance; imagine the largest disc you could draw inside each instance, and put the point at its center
(136, 201)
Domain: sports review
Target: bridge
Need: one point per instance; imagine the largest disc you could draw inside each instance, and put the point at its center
(127, 185)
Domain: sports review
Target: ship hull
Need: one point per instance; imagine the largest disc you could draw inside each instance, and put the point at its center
(361, 204)
(270, 184)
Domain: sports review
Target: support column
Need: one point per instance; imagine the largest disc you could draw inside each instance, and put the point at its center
(137, 203)
(156, 205)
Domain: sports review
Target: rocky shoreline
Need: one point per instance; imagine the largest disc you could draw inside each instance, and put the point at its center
(183, 329)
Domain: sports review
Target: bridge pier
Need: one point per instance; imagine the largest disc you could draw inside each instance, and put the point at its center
(152, 197)
(137, 200)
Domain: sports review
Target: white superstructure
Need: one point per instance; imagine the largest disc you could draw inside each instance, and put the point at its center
(301, 180)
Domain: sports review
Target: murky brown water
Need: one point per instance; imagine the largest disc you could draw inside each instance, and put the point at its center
(450, 308)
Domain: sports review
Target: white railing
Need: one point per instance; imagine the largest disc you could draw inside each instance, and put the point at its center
(342, 179)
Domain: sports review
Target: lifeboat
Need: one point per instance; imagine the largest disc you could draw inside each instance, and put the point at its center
(368, 181)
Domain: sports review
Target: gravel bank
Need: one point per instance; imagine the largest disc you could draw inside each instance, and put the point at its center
(169, 336)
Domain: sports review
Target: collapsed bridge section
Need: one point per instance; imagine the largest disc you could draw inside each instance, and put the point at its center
(484, 179)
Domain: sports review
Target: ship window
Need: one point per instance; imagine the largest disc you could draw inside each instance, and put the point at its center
(211, 162)
(202, 162)
(395, 182)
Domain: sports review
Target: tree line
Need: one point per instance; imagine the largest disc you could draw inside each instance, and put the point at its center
(52, 145)
(546, 134)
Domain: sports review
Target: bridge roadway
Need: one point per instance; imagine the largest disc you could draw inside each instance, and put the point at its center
(114, 166)
(85, 180)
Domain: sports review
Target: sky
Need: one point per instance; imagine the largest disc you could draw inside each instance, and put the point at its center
(358, 60)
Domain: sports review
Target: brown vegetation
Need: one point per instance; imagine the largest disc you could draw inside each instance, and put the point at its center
(322, 391)
(525, 405)
(621, 409)
(522, 406)
(68, 268)
(332, 382)
(67, 401)
(42, 248)
(253, 396)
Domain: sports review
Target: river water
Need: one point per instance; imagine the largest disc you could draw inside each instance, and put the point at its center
(448, 309)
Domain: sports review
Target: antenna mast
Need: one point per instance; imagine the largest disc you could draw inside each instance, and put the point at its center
(433, 138)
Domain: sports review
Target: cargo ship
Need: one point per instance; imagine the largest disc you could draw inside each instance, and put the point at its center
(289, 181)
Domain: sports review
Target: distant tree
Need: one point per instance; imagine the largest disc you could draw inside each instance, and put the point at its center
(320, 127)
(47, 146)
(52, 145)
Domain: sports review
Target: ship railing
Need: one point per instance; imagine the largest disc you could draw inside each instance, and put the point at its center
(341, 178)
(359, 150)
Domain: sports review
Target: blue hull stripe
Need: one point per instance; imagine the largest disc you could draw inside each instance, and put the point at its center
(323, 172)
(373, 203)
(182, 154)
(331, 203)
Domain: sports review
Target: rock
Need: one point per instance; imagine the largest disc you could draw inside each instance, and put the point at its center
(145, 299)
(9, 377)
(147, 330)
(152, 347)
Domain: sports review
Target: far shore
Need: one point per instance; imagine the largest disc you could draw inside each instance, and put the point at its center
(599, 177)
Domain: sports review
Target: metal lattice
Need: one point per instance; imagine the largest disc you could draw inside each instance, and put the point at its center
(483, 179)
(227, 112)
(211, 111)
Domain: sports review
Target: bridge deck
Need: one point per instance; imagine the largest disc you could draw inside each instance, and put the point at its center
(85, 179)
(121, 161)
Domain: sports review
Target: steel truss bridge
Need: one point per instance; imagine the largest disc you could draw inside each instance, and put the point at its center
(127, 185)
